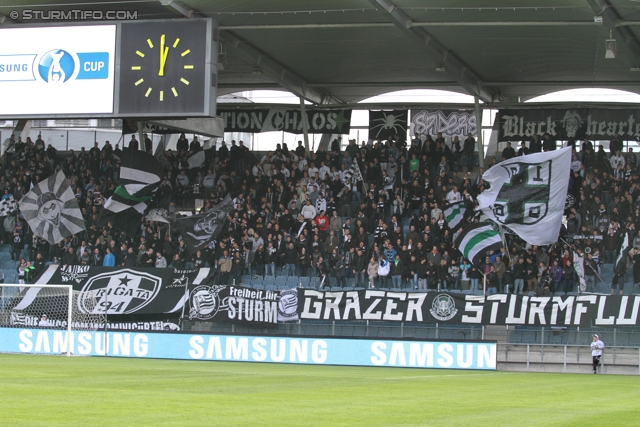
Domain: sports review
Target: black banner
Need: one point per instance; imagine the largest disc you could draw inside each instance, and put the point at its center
(131, 126)
(497, 309)
(449, 122)
(221, 303)
(126, 296)
(580, 123)
(287, 120)
(384, 125)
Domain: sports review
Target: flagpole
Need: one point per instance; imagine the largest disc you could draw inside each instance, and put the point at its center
(592, 269)
(504, 242)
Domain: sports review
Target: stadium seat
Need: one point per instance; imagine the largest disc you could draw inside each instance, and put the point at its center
(359, 331)
(325, 329)
(336, 288)
(271, 287)
(455, 291)
(634, 340)
(257, 280)
(305, 282)
(559, 294)
(245, 278)
(269, 280)
(344, 330)
(292, 281)
(309, 329)
(529, 337)
(259, 287)
(348, 288)
(281, 280)
(333, 282)
(423, 333)
(515, 337)
(351, 282)
(557, 337)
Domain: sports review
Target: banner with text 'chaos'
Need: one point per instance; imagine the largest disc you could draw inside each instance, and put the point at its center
(562, 124)
(287, 120)
(497, 309)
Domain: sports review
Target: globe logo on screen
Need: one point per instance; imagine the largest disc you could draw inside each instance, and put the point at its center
(56, 66)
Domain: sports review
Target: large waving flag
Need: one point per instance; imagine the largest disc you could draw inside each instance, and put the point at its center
(199, 230)
(528, 193)
(454, 214)
(476, 240)
(140, 177)
(51, 209)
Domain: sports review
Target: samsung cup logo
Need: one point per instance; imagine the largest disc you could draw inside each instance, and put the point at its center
(121, 292)
(205, 302)
(443, 307)
(288, 305)
(57, 66)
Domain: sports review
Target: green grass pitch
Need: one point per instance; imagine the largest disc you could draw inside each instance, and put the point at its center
(92, 391)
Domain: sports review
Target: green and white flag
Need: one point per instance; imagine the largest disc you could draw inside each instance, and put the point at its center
(140, 177)
(476, 240)
(528, 195)
(455, 214)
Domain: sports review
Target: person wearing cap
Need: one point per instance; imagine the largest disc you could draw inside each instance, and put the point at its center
(44, 322)
(596, 352)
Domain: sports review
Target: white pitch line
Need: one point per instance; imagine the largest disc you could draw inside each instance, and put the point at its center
(440, 376)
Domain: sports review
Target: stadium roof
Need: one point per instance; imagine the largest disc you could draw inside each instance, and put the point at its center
(344, 51)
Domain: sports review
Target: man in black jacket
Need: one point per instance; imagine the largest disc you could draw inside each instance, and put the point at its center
(468, 149)
(508, 152)
(360, 262)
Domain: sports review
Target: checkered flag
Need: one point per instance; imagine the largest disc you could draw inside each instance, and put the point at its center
(353, 175)
(8, 206)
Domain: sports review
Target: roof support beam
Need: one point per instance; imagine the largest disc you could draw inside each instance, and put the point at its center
(611, 20)
(284, 77)
(421, 24)
(255, 57)
(454, 67)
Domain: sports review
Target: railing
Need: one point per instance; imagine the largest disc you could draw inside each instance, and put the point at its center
(572, 358)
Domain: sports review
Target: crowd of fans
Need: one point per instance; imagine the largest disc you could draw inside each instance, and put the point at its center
(294, 216)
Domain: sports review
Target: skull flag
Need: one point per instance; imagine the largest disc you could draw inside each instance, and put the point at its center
(200, 230)
(51, 209)
(528, 193)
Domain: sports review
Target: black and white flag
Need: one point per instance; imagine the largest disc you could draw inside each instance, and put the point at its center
(385, 125)
(528, 195)
(352, 175)
(140, 177)
(8, 206)
(158, 215)
(199, 230)
(51, 209)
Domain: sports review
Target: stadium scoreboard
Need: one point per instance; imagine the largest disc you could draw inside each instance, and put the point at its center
(141, 69)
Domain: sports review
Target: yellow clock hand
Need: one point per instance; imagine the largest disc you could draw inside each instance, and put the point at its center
(164, 52)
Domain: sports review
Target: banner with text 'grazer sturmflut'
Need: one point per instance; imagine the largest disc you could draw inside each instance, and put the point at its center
(497, 309)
